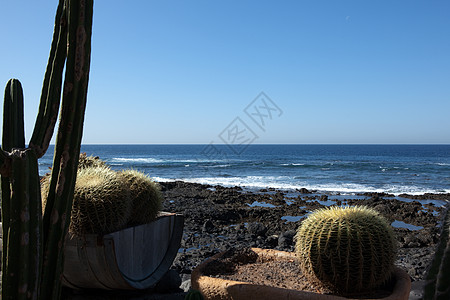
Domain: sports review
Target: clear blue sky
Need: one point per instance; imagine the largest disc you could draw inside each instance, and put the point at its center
(182, 71)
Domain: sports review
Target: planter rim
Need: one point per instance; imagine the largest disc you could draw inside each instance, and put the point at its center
(218, 288)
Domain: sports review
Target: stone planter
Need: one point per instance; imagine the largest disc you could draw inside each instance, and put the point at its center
(216, 288)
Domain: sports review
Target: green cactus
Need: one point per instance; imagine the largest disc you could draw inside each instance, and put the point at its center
(83, 162)
(194, 295)
(348, 249)
(33, 242)
(145, 195)
(101, 202)
(105, 201)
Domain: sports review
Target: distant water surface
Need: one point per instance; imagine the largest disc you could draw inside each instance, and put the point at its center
(348, 169)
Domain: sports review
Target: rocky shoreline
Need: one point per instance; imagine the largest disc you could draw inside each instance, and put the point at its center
(219, 218)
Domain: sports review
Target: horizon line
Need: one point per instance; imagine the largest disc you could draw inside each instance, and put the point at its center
(224, 144)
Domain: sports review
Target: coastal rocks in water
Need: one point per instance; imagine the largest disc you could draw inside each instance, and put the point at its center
(304, 191)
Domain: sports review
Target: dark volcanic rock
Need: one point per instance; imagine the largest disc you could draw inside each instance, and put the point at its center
(208, 226)
(257, 229)
(219, 218)
(286, 239)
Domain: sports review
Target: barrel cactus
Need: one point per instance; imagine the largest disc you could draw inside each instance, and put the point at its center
(105, 200)
(145, 195)
(348, 249)
(101, 202)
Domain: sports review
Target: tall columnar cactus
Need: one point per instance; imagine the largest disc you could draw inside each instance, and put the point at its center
(350, 249)
(32, 243)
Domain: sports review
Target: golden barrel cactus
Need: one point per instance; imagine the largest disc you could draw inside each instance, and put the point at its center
(101, 202)
(105, 200)
(348, 249)
(145, 196)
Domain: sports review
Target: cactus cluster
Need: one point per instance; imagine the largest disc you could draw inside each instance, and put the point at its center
(106, 201)
(33, 241)
(348, 249)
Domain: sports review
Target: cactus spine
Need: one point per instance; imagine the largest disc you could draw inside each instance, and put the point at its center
(32, 244)
(350, 249)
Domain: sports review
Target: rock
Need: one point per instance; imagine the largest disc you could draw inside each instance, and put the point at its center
(208, 226)
(257, 229)
(220, 219)
(186, 285)
(272, 241)
(286, 239)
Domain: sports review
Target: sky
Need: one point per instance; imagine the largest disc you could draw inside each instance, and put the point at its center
(301, 72)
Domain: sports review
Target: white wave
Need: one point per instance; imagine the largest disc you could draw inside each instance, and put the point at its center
(293, 164)
(220, 166)
(162, 179)
(151, 160)
(284, 183)
(137, 160)
(443, 164)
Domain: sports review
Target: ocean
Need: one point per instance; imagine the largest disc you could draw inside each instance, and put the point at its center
(344, 169)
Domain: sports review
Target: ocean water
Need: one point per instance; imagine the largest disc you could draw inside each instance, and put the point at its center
(345, 169)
